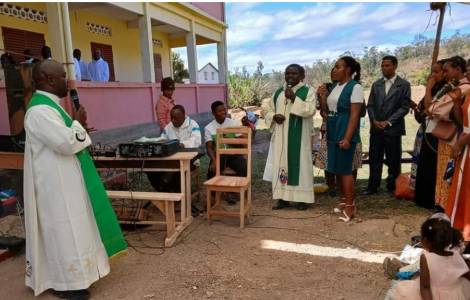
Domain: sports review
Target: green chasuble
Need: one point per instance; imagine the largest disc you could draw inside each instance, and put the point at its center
(108, 226)
(294, 138)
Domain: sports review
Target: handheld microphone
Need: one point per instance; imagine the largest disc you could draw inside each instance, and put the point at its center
(74, 98)
(289, 86)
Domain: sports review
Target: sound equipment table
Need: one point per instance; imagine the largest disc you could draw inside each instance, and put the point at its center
(179, 162)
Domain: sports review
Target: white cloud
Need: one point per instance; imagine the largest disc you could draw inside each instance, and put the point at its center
(278, 58)
(207, 54)
(248, 27)
(307, 32)
(385, 11)
(317, 21)
(457, 16)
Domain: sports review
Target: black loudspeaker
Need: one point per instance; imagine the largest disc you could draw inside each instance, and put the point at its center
(19, 87)
(12, 143)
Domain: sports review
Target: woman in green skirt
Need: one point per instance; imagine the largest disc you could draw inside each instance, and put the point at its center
(343, 106)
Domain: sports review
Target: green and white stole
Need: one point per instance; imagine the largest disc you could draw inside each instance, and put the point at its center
(294, 139)
(108, 226)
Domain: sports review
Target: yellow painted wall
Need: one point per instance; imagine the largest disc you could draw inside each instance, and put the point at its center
(124, 40)
(164, 51)
(187, 13)
(12, 22)
(125, 43)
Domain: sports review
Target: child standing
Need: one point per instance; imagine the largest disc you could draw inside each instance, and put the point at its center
(443, 272)
(165, 103)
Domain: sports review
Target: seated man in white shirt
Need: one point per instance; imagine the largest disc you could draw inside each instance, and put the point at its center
(182, 128)
(235, 162)
(187, 131)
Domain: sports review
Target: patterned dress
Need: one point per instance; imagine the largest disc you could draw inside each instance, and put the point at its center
(443, 157)
(458, 206)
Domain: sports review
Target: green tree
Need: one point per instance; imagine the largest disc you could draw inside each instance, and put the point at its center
(179, 72)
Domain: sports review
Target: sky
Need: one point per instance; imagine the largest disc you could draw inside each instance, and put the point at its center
(282, 33)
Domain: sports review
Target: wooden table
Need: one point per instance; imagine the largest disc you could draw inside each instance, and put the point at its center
(11, 160)
(179, 162)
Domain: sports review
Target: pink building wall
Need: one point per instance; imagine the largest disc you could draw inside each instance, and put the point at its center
(215, 9)
(119, 104)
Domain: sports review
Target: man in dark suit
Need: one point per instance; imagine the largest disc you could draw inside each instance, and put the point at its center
(389, 102)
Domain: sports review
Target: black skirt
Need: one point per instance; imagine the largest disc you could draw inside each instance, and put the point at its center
(425, 191)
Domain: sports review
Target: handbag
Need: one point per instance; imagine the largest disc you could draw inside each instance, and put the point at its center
(442, 108)
(445, 130)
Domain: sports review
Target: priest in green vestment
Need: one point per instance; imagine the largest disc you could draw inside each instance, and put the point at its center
(71, 229)
(289, 115)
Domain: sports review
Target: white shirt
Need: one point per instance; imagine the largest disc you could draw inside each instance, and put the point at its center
(84, 70)
(389, 83)
(76, 66)
(188, 133)
(99, 70)
(211, 128)
(357, 96)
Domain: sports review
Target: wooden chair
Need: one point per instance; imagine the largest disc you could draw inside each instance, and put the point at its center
(227, 183)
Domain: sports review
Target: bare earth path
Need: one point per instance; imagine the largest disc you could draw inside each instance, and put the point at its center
(222, 262)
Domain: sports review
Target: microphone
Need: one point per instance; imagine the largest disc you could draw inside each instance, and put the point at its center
(74, 98)
(289, 86)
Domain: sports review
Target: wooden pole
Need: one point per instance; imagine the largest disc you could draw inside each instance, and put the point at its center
(437, 42)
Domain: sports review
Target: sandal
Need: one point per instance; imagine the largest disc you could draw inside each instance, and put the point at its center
(347, 218)
(339, 208)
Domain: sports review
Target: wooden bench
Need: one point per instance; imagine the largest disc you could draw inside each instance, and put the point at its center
(165, 202)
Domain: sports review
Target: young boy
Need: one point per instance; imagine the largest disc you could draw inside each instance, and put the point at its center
(234, 162)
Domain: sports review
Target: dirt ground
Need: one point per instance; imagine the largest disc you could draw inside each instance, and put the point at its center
(221, 261)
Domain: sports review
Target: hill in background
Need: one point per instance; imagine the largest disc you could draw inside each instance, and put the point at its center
(414, 64)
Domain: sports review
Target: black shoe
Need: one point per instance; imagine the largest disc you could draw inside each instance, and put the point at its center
(281, 204)
(73, 295)
(302, 206)
(369, 192)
